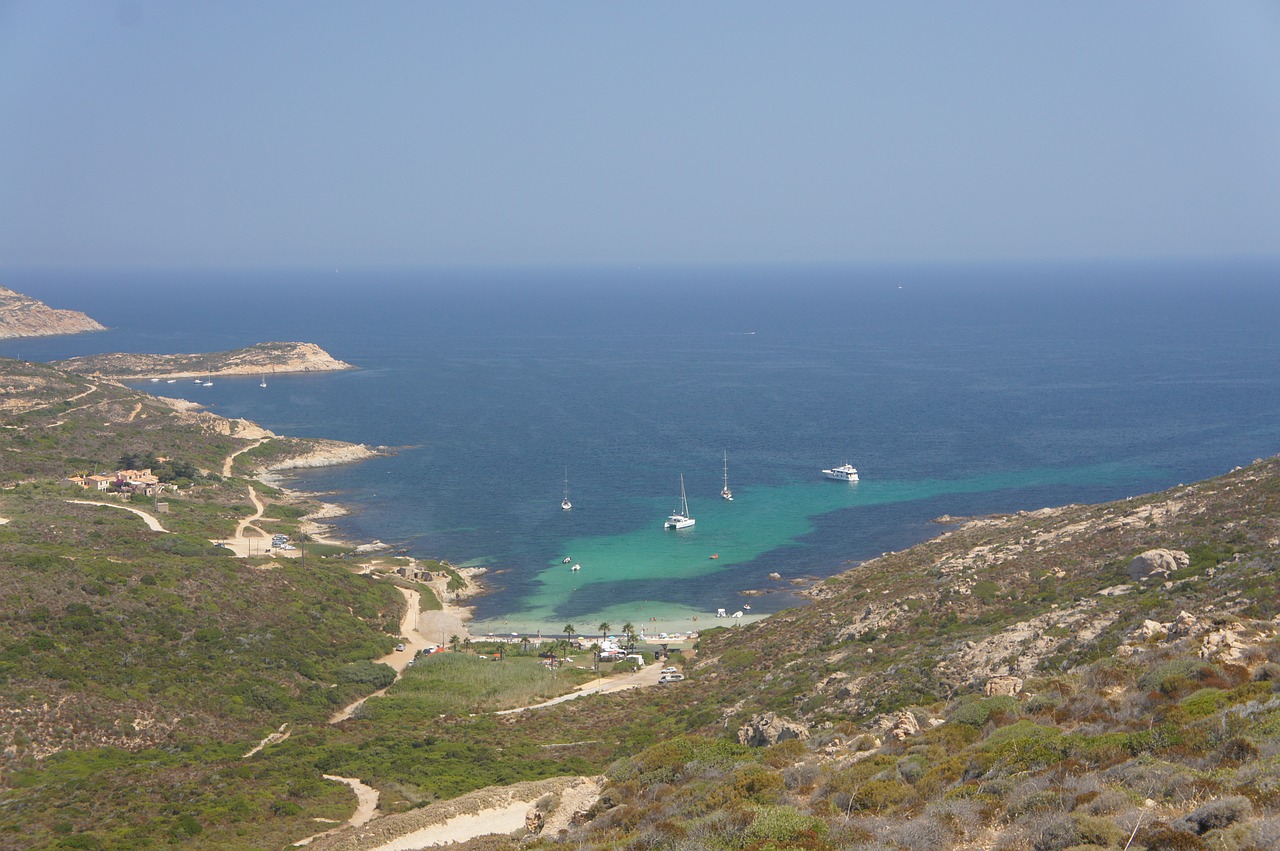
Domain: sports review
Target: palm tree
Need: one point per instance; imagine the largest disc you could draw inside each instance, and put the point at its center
(604, 630)
(454, 641)
(629, 630)
(466, 644)
(568, 631)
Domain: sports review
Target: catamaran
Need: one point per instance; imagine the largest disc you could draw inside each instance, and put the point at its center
(725, 493)
(680, 518)
(565, 504)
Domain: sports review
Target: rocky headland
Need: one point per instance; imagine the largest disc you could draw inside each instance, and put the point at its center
(261, 358)
(22, 316)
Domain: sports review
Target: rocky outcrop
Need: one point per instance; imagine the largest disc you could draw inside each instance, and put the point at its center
(1003, 686)
(769, 729)
(1157, 564)
(259, 359)
(21, 316)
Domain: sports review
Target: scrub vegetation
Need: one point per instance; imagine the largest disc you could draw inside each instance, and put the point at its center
(1007, 685)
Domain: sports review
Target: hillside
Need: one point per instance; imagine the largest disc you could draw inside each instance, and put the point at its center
(1088, 676)
(22, 316)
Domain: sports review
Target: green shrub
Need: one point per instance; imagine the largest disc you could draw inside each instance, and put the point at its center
(784, 827)
(878, 796)
(985, 590)
(1205, 702)
(374, 675)
(1177, 675)
(978, 712)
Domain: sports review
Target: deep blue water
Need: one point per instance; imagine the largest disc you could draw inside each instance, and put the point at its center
(953, 390)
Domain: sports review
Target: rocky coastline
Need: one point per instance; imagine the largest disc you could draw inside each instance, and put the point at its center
(259, 359)
(23, 316)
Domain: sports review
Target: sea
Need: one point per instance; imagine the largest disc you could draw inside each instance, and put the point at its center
(955, 390)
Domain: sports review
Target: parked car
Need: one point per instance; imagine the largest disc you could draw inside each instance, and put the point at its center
(670, 671)
(670, 678)
(399, 647)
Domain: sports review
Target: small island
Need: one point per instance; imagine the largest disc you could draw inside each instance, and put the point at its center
(23, 316)
(258, 359)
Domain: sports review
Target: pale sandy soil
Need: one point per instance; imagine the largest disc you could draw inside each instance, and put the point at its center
(496, 809)
(366, 807)
(461, 828)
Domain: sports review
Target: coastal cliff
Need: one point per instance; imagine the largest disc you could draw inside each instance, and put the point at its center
(252, 360)
(22, 316)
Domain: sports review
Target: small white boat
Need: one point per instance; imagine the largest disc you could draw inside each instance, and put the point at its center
(154, 380)
(680, 518)
(206, 384)
(263, 383)
(725, 493)
(171, 380)
(844, 473)
(576, 567)
(565, 504)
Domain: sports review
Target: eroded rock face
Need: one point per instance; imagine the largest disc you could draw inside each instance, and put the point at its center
(904, 726)
(1007, 686)
(1157, 564)
(769, 729)
(21, 316)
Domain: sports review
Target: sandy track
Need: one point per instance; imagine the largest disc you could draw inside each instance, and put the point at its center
(647, 676)
(152, 523)
(414, 641)
(496, 809)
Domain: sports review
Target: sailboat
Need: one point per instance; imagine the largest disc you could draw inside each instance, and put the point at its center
(565, 504)
(680, 518)
(263, 383)
(725, 493)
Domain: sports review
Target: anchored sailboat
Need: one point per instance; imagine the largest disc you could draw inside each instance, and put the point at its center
(725, 493)
(680, 518)
(565, 504)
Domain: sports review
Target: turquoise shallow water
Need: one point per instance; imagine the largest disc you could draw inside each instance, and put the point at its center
(955, 391)
(741, 532)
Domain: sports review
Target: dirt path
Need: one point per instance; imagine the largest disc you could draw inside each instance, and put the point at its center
(134, 413)
(494, 809)
(275, 738)
(240, 543)
(366, 807)
(647, 676)
(226, 464)
(152, 523)
(413, 641)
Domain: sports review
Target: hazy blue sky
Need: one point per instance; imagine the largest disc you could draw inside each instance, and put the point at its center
(313, 133)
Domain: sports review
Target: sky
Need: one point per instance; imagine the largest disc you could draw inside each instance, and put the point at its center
(417, 134)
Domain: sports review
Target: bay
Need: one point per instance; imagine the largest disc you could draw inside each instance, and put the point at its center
(957, 390)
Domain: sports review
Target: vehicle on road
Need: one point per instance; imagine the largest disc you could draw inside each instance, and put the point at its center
(670, 678)
(669, 671)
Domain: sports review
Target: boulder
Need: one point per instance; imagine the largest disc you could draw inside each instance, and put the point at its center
(1157, 564)
(1007, 686)
(904, 726)
(769, 729)
(1150, 629)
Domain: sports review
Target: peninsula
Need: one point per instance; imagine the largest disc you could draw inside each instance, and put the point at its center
(23, 316)
(251, 360)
